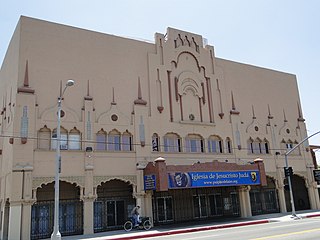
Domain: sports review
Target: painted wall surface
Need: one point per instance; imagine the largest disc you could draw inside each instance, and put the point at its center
(175, 85)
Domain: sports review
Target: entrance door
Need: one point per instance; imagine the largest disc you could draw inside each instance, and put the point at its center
(200, 206)
(164, 209)
(215, 202)
(115, 213)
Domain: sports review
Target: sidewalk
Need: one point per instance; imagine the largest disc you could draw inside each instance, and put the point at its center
(187, 227)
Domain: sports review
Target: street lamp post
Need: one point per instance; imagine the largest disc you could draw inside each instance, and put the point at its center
(56, 235)
(289, 177)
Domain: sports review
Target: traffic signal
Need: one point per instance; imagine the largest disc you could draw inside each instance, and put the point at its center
(288, 171)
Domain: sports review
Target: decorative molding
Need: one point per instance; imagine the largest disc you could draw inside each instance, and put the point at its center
(25, 88)
(300, 118)
(269, 113)
(139, 100)
(272, 175)
(38, 181)
(88, 97)
(78, 180)
(113, 101)
(97, 180)
(233, 106)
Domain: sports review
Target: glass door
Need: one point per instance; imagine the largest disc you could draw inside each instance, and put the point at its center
(115, 213)
(200, 206)
(165, 209)
(215, 202)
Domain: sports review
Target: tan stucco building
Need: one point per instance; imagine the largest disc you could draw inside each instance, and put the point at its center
(213, 121)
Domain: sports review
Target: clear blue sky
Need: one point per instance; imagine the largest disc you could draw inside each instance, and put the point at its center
(279, 34)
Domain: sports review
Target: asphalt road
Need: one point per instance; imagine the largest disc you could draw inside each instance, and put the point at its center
(306, 229)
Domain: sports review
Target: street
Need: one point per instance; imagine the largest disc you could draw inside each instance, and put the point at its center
(306, 229)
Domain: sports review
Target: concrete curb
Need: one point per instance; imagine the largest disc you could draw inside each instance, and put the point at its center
(312, 215)
(190, 230)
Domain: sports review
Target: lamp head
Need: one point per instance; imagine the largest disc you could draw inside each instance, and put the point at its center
(70, 83)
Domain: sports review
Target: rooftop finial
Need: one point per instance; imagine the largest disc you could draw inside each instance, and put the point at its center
(233, 106)
(88, 97)
(140, 101)
(25, 88)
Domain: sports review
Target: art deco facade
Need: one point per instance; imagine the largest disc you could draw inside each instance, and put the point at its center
(211, 120)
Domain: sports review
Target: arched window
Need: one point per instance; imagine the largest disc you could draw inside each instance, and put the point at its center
(265, 147)
(63, 139)
(172, 142)
(215, 144)
(114, 141)
(250, 145)
(74, 141)
(297, 150)
(258, 146)
(283, 146)
(126, 141)
(288, 145)
(101, 140)
(194, 143)
(155, 143)
(228, 145)
(44, 135)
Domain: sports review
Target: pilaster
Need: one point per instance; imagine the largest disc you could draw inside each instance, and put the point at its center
(280, 189)
(245, 206)
(88, 224)
(26, 220)
(14, 232)
(312, 188)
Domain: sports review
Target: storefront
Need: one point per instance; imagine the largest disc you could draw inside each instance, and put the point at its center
(201, 191)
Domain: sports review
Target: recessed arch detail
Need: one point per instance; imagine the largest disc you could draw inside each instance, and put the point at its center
(191, 54)
(39, 181)
(131, 179)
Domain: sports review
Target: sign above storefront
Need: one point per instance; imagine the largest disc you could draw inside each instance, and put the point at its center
(212, 179)
(150, 182)
(316, 174)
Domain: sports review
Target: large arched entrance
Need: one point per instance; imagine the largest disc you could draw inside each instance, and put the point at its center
(70, 211)
(300, 194)
(264, 199)
(113, 205)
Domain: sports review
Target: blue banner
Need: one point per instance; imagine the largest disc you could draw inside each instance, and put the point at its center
(150, 182)
(213, 179)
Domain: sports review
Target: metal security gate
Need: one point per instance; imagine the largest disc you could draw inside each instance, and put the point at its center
(109, 214)
(70, 218)
(264, 201)
(181, 205)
